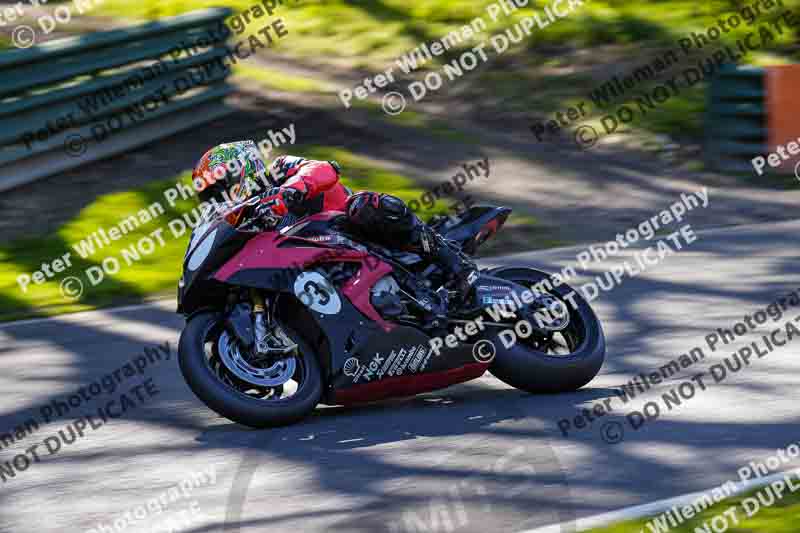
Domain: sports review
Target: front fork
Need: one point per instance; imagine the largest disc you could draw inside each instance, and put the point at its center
(269, 336)
(260, 320)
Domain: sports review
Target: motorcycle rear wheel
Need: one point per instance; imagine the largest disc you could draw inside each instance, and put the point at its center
(527, 367)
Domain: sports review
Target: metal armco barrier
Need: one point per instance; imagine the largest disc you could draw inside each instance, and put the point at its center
(71, 101)
(736, 122)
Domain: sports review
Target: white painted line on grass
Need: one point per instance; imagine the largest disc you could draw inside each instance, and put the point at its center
(655, 508)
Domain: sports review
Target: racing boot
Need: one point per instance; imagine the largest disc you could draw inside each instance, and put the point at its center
(460, 272)
(463, 274)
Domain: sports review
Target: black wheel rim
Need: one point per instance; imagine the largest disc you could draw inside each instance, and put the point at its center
(275, 394)
(568, 340)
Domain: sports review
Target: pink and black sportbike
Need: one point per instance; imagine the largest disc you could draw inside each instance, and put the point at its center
(282, 315)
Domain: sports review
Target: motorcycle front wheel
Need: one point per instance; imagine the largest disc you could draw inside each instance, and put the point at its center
(223, 377)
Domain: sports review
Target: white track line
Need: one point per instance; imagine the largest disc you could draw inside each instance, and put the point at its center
(79, 314)
(657, 507)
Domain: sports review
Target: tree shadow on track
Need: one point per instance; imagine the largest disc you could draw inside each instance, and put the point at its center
(439, 457)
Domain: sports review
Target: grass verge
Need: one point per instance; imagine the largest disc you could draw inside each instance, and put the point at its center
(746, 513)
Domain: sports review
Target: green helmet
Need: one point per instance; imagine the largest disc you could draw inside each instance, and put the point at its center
(234, 170)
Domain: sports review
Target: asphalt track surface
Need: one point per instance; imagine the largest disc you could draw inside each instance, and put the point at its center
(475, 457)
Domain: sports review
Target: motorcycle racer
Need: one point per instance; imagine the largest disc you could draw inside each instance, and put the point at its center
(302, 187)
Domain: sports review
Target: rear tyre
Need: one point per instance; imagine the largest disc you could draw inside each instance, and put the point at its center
(528, 367)
(203, 331)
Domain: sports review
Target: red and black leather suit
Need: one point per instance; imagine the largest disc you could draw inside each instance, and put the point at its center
(310, 187)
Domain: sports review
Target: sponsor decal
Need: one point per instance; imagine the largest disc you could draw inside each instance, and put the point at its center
(417, 360)
(398, 366)
(426, 303)
(389, 361)
(504, 301)
(410, 359)
(493, 288)
(351, 367)
(426, 359)
(368, 371)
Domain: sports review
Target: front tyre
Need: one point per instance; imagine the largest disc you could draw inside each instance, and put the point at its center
(205, 373)
(531, 365)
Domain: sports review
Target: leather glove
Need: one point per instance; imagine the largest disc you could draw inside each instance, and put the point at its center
(290, 196)
(266, 210)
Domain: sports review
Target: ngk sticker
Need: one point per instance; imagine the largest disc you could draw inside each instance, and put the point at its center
(368, 371)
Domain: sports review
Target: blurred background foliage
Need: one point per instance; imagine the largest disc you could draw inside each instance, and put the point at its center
(371, 32)
(549, 70)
